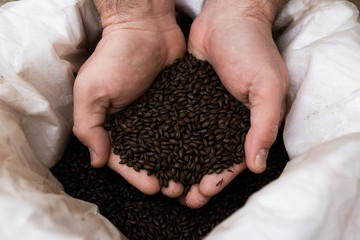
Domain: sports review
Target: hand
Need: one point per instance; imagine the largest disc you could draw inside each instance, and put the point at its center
(137, 43)
(239, 45)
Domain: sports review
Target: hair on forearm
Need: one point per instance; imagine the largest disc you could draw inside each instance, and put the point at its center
(123, 10)
(118, 10)
(115, 5)
(277, 5)
(265, 9)
(129, 4)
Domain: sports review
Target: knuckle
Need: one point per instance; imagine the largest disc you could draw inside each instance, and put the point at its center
(271, 133)
(79, 131)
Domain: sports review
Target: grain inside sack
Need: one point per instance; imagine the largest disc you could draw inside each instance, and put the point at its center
(157, 217)
(201, 127)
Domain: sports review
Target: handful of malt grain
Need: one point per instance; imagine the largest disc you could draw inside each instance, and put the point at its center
(185, 126)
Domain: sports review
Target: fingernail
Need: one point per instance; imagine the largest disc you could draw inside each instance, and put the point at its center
(260, 160)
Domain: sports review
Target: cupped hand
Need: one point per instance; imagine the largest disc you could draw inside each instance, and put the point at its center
(124, 64)
(241, 49)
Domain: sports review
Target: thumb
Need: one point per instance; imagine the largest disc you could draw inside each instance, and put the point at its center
(98, 142)
(88, 120)
(265, 121)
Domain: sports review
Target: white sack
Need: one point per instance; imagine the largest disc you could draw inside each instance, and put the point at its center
(316, 197)
(324, 94)
(42, 45)
(318, 194)
(32, 203)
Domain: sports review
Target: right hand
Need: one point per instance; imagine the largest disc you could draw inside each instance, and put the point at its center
(236, 38)
(134, 48)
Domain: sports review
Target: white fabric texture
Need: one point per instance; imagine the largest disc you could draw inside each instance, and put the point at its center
(29, 31)
(324, 96)
(191, 8)
(318, 194)
(42, 45)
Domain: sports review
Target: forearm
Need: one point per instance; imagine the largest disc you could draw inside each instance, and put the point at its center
(120, 11)
(270, 8)
(264, 10)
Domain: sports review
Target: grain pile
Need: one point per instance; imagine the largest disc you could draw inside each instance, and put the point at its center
(185, 126)
(140, 216)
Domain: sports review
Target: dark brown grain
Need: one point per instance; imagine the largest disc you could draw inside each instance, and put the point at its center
(184, 115)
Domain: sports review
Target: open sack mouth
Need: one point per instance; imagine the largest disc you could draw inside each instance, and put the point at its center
(313, 196)
(193, 119)
(185, 119)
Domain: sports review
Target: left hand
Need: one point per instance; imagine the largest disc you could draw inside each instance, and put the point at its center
(241, 49)
(137, 43)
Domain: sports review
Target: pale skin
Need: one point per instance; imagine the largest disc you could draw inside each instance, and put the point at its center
(140, 39)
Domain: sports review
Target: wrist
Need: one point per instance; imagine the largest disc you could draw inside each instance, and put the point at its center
(252, 18)
(259, 10)
(147, 24)
(135, 12)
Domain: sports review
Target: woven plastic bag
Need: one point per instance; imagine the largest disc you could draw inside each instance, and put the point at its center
(316, 197)
(42, 45)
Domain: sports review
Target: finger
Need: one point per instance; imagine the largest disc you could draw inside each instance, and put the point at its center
(173, 190)
(144, 183)
(89, 116)
(267, 110)
(212, 184)
(96, 139)
(194, 198)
